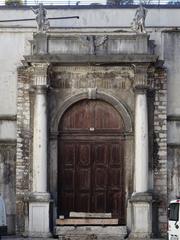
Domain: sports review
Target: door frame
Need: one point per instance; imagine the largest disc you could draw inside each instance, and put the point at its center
(126, 114)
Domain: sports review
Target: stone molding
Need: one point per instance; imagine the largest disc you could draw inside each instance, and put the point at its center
(8, 141)
(173, 145)
(39, 197)
(141, 197)
(8, 118)
(173, 118)
(110, 58)
(119, 105)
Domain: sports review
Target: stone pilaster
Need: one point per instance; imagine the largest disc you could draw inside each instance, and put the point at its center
(141, 199)
(39, 198)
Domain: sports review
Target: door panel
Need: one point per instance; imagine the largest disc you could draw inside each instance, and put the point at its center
(99, 202)
(84, 151)
(68, 154)
(91, 168)
(91, 113)
(100, 179)
(106, 117)
(100, 154)
(83, 176)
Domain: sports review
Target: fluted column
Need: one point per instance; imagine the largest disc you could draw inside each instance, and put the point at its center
(39, 198)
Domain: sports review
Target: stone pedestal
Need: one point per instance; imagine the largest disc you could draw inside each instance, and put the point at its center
(141, 216)
(39, 215)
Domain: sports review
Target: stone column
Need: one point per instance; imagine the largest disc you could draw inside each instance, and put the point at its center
(141, 199)
(39, 198)
(141, 141)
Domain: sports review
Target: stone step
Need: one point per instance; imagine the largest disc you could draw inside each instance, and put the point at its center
(87, 221)
(89, 215)
(89, 237)
(91, 232)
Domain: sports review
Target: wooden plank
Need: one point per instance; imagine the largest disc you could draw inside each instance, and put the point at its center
(87, 221)
(89, 215)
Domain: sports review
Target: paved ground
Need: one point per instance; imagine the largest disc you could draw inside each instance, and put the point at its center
(21, 238)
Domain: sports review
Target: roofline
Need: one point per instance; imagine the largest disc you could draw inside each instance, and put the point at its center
(89, 7)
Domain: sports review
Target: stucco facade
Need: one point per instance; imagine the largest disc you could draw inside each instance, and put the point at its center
(94, 58)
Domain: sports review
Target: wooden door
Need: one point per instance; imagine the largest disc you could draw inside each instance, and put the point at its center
(91, 160)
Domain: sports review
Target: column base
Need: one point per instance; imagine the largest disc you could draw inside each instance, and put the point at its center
(39, 215)
(141, 216)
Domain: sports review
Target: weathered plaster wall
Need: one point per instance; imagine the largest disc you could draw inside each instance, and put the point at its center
(172, 62)
(13, 45)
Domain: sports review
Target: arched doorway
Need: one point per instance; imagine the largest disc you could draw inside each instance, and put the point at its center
(91, 160)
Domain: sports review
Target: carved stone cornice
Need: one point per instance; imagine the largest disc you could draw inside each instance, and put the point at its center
(40, 74)
(94, 59)
(141, 76)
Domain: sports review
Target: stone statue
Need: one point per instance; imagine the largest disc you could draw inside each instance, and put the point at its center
(138, 23)
(42, 22)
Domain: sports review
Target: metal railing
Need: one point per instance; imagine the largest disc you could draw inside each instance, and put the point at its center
(107, 3)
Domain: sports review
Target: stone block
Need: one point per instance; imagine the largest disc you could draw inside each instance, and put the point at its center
(87, 221)
(91, 232)
(89, 215)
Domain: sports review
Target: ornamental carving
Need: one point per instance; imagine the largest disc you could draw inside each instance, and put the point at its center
(40, 74)
(141, 76)
(41, 19)
(94, 42)
(138, 24)
(93, 77)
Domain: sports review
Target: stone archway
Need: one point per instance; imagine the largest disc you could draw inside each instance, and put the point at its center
(91, 160)
(118, 104)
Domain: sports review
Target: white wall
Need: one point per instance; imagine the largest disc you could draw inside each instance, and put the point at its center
(97, 17)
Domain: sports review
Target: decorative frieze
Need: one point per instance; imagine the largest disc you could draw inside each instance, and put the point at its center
(93, 77)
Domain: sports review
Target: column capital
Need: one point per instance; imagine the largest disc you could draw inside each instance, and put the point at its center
(141, 78)
(40, 74)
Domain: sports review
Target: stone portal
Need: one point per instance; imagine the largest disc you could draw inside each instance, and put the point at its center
(89, 121)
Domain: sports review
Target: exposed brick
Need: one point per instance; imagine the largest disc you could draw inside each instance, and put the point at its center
(160, 128)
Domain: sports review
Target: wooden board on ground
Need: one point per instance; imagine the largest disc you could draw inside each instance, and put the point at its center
(89, 215)
(87, 221)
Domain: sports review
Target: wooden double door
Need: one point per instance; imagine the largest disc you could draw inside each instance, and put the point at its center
(91, 160)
